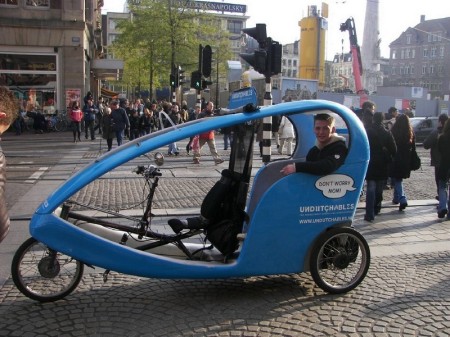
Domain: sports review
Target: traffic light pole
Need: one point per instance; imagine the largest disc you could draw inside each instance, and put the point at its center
(267, 124)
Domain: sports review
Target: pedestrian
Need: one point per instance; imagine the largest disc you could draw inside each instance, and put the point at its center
(382, 150)
(401, 165)
(134, 125)
(327, 155)
(173, 119)
(286, 134)
(99, 116)
(430, 143)
(276, 120)
(76, 116)
(120, 121)
(391, 117)
(444, 171)
(227, 137)
(90, 111)
(9, 107)
(207, 138)
(108, 132)
(147, 123)
(193, 115)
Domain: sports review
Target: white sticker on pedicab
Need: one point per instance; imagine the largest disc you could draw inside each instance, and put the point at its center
(335, 186)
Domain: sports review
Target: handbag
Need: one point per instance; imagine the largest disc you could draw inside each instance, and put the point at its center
(415, 160)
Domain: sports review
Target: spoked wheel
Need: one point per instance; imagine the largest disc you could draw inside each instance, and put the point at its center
(340, 259)
(43, 274)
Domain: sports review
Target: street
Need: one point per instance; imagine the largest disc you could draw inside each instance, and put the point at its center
(406, 292)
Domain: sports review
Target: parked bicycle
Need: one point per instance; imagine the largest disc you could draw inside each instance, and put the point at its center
(57, 122)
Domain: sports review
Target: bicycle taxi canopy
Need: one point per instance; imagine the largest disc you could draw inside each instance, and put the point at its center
(285, 213)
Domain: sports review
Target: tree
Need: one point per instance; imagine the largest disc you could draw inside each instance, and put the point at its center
(160, 35)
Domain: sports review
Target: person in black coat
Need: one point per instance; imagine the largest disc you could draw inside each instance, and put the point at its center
(443, 146)
(382, 150)
(430, 143)
(401, 165)
(327, 155)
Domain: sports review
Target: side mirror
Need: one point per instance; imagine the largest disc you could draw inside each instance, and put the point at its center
(159, 158)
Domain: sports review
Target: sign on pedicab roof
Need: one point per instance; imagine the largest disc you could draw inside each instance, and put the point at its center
(243, 97)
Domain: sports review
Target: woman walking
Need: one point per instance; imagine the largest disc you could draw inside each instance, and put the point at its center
(401, 165)
(76, 115)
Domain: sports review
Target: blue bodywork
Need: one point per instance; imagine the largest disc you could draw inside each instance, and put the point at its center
(287, 213)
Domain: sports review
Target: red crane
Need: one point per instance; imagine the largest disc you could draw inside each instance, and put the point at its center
(356, 57)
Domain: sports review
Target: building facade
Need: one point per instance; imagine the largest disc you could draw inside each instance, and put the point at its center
(290, 59)
(341, 74)
(47, 49)
(420, 57)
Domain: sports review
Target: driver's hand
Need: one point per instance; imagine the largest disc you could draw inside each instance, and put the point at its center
(288, 169)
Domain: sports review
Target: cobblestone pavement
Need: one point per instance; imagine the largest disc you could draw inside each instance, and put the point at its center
(401, 296)
(406, 291)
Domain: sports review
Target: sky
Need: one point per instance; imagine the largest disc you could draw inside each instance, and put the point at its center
(282, 17)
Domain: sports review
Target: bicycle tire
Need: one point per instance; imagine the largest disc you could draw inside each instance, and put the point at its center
(43, 274)
(340, 259)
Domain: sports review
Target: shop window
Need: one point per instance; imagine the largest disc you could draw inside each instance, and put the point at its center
(41, 4)
(9, 2)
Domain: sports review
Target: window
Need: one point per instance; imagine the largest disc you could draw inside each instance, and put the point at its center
(433, 52)
(402, 54)
(432, 69)
(294, 63)
(9, 2)
(408, 39)
(430, 38)
(38, 3)
(425, 52)
(407, 53)
(424, 69)
(411, 69)
(441, 51)
(235, 26)
(413, 53)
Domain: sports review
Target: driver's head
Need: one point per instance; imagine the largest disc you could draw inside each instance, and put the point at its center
(324, 128)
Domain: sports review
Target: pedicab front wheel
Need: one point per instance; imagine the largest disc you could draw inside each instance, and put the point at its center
(340, 259)
(44, 274)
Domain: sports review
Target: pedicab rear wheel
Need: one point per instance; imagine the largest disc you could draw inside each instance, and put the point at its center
(44, 274)
(339, 260)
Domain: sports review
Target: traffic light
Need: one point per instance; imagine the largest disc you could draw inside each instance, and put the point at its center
(205, 84)
(257, 60)
(276, 54)
(258, 33)
(206, 61)
(267, 58)
(196, 80)
(180, 76)
(173, 81)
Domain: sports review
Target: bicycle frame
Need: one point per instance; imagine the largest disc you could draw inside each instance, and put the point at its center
(286, 213)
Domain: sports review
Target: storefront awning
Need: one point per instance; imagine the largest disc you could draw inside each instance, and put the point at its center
(107, 69)
(109, 94)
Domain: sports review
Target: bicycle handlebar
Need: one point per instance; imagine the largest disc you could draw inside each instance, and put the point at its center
(148, 172)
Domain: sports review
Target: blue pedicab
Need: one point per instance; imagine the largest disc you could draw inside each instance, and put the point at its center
(274, 225)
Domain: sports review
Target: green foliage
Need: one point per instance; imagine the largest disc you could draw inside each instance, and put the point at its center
(160, 35)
